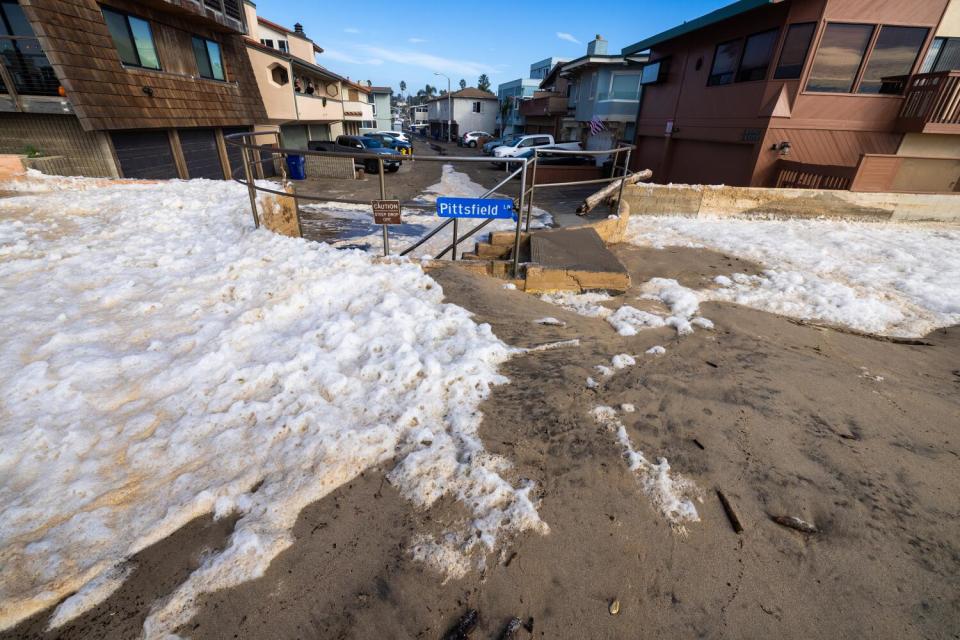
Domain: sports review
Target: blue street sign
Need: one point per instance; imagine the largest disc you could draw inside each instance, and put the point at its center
(474, 208)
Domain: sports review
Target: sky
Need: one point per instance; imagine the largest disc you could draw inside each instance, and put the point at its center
(387, 42)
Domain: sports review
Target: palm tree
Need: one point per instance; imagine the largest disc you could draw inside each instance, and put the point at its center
(429, 91)
(369, 84)
(403, 87)
(463, 83)
(483, 82)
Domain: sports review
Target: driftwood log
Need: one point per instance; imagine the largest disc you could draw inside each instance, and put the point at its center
(592, 201)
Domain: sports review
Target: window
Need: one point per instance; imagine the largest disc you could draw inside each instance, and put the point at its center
(944, 55)
(476, 106)
(757, 54)
(267, 42)
(22, 55)
(209, 60)
(624, 87)
(655, 72)
(725, 63)
(133, 38)
(894, 54)
(593, 85)
(282, 45)
(794, 52)
(839, 57)
(279, 74)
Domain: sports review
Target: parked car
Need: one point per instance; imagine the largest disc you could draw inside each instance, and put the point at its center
(399, 135)
(488, 147)
(535, 141)
(470, 138)
(558, 159)
(350, 144)
(391, 142)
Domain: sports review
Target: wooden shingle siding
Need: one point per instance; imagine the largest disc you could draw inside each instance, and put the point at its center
(107, 95)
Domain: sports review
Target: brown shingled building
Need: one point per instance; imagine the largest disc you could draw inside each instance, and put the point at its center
(140, 89)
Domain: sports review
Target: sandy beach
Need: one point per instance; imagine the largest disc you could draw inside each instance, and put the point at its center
(855, 435)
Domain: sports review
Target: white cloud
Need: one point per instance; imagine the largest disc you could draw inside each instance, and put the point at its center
(465, 68)
(415, 40)
(340, 56)
(568, 37)
(351, 30)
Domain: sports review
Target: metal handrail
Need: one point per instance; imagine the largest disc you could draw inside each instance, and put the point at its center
(249, 151)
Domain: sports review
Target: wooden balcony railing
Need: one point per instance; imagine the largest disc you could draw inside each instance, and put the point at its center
(545, 106)
(932, 104)
(799, 175)
(226, 13)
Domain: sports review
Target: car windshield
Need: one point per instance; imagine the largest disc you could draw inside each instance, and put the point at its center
(371, 143)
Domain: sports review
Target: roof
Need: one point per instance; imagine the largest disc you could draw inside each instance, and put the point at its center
(356, 85)
(381, 89)
(721, 14)
(250, 42)
(279, 27)
(469, 92)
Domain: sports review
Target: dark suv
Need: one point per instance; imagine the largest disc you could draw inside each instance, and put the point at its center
(349, 144)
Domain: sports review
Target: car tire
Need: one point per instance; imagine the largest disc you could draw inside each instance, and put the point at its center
(371, 166)
(472, 144)
(393, 169)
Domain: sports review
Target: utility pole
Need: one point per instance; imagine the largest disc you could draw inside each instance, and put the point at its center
(449, 107)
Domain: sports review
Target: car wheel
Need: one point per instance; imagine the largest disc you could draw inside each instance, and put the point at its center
(472, 144)
(371, 167)
(393, 169)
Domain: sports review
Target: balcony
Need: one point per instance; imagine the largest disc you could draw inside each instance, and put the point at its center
(356, 110)
(932, 104)
(544, 106)
(227, 14)
(316, 108)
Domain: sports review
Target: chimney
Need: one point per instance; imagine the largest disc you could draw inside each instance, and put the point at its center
(597, 47)
(298, 28)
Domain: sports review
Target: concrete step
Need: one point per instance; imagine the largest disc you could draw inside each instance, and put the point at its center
(573, 260)
(506, 237)
(493, 251)
(470, 255)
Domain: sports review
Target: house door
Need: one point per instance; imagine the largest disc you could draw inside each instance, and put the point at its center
(201, 153)
(144, 154)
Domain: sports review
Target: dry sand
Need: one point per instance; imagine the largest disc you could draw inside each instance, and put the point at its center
(790, 423)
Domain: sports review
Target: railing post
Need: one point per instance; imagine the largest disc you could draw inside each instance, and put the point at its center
(251, 188)
(456, 229)
(533, 187)
(516, 238)
(626, 168)
(383, 196)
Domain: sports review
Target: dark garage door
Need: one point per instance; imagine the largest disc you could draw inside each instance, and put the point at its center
(235, 153)
(200, 151)
(144, 154)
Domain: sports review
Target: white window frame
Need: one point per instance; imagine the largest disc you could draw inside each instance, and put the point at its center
(616, 74)
(477, 106)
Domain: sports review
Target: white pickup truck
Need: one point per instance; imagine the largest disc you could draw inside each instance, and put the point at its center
(535, 141)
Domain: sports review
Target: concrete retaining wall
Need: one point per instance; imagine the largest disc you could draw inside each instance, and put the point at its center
(697, 200)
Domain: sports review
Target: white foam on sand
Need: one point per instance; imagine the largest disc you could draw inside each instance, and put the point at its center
(671, 494)
(882, 278)
(585, 304)
(160, 360)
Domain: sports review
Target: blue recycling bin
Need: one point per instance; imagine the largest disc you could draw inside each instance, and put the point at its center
(297, 167)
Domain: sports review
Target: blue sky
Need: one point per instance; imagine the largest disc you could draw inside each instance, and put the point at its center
(387, 42)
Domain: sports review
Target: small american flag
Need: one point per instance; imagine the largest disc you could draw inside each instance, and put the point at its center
(596, 126)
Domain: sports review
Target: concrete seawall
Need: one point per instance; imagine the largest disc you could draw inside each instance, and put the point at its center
(697, 200)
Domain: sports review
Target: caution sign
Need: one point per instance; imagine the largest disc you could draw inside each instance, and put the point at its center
(386, 211)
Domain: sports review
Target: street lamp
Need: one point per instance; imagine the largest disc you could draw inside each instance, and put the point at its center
(449, 107)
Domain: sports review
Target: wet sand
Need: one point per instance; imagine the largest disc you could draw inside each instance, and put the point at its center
(792, 421)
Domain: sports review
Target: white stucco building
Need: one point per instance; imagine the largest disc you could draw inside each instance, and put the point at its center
(473, 110)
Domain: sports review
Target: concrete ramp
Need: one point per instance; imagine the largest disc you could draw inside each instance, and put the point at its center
(573, 260)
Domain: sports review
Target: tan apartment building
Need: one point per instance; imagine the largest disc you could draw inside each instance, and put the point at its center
(302, 100)
(142, 89)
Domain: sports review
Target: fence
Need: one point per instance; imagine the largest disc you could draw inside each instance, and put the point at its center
(255, 156)
(800, 175)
